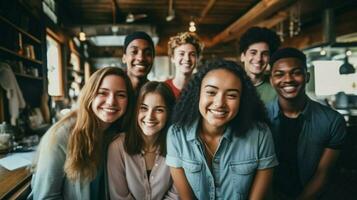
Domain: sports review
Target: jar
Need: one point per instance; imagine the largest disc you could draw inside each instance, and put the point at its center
(7, 134)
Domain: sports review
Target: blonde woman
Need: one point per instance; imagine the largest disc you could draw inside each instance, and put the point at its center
(72, 153)
(185, 49)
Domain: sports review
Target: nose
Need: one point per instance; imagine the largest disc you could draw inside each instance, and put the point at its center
(150, 114)
(186, 57)
(140, 56)
(111, 99)
(219, 101)
(288, 77)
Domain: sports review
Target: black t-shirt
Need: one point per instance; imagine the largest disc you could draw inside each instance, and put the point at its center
(288, 165)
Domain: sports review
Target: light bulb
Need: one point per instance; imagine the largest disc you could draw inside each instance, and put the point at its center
(192, 28)
(82, 36)
(348, 53)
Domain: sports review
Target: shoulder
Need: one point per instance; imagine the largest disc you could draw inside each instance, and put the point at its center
(118, 142)
(323, 113)
(58, 134)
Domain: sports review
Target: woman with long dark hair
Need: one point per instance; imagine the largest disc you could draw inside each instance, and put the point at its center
(136, 159)
(219, 146)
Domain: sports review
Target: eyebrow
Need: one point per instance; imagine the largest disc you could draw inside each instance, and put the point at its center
(229, 90)
(160, 106)
(106, 89)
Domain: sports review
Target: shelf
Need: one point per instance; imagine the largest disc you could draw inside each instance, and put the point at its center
(14, 54)
(21, 30)
(73, 70)
(28, 76)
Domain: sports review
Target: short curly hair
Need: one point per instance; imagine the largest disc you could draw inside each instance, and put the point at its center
(259, 34)
(185, 38)
(251, 109)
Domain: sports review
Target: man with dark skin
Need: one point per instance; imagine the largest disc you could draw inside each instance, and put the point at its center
(308, 136)
(139, 52)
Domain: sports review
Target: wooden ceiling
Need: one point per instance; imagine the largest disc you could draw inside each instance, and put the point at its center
(219, 22)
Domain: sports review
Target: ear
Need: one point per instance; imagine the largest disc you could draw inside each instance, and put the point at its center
(242, 57)
(307, 77)
(123, 59)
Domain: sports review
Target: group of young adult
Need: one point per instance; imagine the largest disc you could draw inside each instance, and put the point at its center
(225, 132)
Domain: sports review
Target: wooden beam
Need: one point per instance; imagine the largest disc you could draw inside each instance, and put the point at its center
(270, 23)
(114, 11)
(206, 10)
(259, 12)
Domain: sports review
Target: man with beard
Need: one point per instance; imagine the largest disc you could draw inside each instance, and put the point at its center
(308, 136)
(256, 46)
(139, 52)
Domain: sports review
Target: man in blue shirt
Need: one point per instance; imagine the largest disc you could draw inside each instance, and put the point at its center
(307, 135)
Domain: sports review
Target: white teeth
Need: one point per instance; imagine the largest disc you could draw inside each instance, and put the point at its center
(140, 66)
(218, 113)
(149, 124)
(289, 88)
(109, 110)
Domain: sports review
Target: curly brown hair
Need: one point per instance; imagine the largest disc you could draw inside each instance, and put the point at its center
(185, 38)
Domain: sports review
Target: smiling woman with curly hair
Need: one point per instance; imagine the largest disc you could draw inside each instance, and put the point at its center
(219, 146)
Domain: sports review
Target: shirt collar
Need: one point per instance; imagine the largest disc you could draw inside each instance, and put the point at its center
(192, 132)
(306, 113)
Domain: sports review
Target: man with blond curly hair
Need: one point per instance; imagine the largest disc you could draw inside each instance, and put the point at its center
(184, 49)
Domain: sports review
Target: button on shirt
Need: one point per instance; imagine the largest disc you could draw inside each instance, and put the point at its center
(233, 165)
(322, 128)
(128, 178)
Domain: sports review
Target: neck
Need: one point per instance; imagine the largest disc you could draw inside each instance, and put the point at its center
(137, 82)
(210, 131)
(256, 78)
(292, 108)
(181, 80)
(149, 142)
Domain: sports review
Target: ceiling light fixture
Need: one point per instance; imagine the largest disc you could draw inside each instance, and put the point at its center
(346, 67)
(82, 35)
(192, 27)
(171, 13)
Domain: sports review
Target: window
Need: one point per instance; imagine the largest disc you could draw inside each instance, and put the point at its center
(54, 66)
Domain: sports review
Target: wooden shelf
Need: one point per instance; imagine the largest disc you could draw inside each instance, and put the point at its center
(21, 30)
(28, 76)
(14, 54)
(73, 70)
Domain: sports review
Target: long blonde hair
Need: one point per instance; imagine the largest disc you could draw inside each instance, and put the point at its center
(86, 142)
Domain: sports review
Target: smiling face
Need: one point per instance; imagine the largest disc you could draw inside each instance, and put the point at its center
(152, 114)
(289, 78)
(111, 100)
(139, 57)
(185, 58)
(256, 58)
(219, 98)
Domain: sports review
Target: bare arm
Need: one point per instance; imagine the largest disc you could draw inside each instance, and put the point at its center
(261, 184)
(318, 181)
(181, 183)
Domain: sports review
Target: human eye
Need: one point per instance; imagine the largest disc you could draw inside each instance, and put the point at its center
(193, 54)
(121, 95)
(143, 108)
(160, 110)
(297, 72)
(210, 92)
(232, 95)
(278, 74)
(148, 52)
(101, 93)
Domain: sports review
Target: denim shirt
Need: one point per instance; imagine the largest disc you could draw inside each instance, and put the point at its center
(322, 127)
(233, 166)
